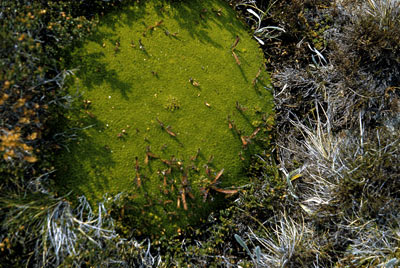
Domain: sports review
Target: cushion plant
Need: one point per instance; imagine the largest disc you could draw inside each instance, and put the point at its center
(173, 98)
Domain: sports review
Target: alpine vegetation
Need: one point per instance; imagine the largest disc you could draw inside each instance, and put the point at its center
(320, 173)
(337, 103)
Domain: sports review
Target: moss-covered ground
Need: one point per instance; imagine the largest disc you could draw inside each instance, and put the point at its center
(159, 83)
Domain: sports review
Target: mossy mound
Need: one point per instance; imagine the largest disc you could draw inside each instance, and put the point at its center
(160, 84)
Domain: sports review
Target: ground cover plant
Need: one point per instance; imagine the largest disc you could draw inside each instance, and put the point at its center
(31, 211)
(326, 195)
(172, 99)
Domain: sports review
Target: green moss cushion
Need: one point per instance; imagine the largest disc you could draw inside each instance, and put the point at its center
(160, 83)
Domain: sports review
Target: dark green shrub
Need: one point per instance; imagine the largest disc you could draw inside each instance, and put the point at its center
(35, 39)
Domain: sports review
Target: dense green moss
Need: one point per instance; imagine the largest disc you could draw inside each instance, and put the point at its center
(173, 63)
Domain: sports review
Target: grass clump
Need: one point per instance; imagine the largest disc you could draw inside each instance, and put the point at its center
(168, 114)
(337, 131)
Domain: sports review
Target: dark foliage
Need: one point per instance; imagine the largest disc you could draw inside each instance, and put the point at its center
(35, 39)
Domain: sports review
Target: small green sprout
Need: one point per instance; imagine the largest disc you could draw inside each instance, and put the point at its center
(172, 103)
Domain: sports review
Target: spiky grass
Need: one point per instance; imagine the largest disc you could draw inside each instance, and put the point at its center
(63, 236)
(385, 11)
(284, 244)
(373, 244)
(338, 131)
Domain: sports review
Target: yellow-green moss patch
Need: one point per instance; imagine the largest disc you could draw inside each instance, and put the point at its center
(154, 70)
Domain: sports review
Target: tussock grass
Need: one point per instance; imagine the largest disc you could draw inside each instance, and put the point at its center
(337, 136)
(63, 236)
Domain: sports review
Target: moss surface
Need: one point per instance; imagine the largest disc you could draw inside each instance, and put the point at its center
(174, 63)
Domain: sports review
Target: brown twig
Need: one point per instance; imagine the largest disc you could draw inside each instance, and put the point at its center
(194, 158)
(213, 186)
(232, 126)
(235, 43)
(236, 58)
(152, 27)
(166, 128)
(149, 155)
(255, 78)
(138, 179)
(240, 108)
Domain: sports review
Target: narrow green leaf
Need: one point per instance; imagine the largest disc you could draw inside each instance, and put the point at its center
(258, 254)
(243, 244)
